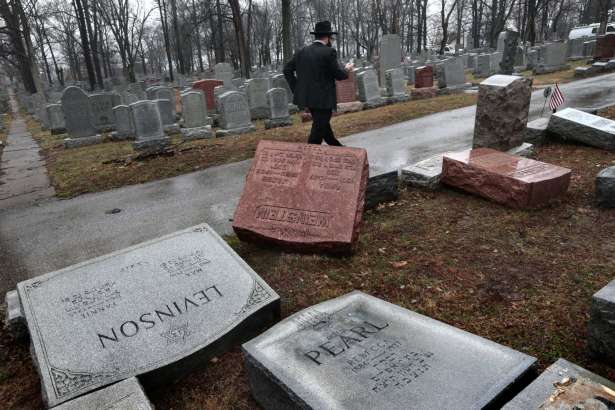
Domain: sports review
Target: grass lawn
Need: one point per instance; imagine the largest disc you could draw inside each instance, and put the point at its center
(105, 166)
(520, 278)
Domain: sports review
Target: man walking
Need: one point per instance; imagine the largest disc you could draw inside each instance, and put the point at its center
(311, 75)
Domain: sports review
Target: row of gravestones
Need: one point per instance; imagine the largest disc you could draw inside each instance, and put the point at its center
(163, 308)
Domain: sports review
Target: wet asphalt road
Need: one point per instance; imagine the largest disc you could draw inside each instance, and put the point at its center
(57, 233)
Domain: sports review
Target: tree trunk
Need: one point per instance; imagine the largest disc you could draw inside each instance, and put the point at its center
(244, 58)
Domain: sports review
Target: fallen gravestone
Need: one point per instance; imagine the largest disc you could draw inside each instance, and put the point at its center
(506, 179)
(304, 197)
(601, 328)
(427, 173)
(360, 352)
(159, 309)
(550, 390)
(125, 395)
(501, 112)
(581, 126)
(605, 188)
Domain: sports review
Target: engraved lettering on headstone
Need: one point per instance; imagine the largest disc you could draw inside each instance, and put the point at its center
(91, 301)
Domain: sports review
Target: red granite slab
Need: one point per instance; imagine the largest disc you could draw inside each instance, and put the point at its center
(303, 197)
(507, 179)
(605, 47)
(208, 88)
(423, 77)
(346, 90)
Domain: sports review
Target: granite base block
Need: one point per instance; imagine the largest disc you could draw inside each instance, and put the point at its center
(259, 113)
(125, 395)
(374, 103)
(122, 136)
(605, 188)
(536, 131)
(171, 129)
(197, 133)
(235, 131)
(542, 389)
(15, 321)
(381, 188)
(82, 141)
(278, 122)
(57, 131)
(601, 327)
(397, 99)
(151, 146)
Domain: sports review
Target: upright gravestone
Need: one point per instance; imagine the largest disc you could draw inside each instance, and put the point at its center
(124, 128)
(502, 111)
(148, 127)
(234, 114)
(451, 73)
(396, 85)
(303, 197)
(346, 90)
(224, 73)
(256, 90)
(369, 92)
(510, 41)
(360, 352)
(56, 119)
(423, 77)
(167, 93)
(102, 111)
(552, 57)
(78, 118)
(605, 47)
(167, 116)
(483, 65)
(194, 111)
(390, 54)
(278, 109)
(279, 81)
(157, 310)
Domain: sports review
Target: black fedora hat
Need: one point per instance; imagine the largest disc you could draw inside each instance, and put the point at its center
(323, 27)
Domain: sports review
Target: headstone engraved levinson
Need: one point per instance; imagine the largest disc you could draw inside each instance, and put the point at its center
(601, 328)
(502, 111)
(549, 390)
(124, 129)
(304, 197)
(78, 118)
(148, 127)
(125, 395)
(156, 310)
(235, 114)
(584, 127)
(360, 352)
(102, 111)
(194, 112)
(278, 109)
(507, 179)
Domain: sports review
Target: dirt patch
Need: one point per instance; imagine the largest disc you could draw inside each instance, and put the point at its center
(103, 166)
(520, 278)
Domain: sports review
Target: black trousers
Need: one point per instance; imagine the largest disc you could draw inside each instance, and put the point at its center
(321, 128)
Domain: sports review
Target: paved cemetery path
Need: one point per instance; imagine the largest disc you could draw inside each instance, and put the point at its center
(60, 233)
(23, 176)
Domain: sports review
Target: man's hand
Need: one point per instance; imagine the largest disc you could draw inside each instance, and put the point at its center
(349, 66)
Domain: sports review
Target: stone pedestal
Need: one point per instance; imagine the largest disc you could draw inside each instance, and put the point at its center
(605, 188)
(509, 180)
(601, 327)
(196, 133)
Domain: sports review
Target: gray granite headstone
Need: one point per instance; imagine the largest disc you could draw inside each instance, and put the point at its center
(194, 112)
(542, 389)
(125, 395)
(76, 108)
(235, 114)
(102, 111)
(396, 85)
(124, 129)
(605, 188)
(390, 54)
(55, 117)
(584, 127)
(510, 40)
(483, 65)
(167, 93)
(552, 57)
(451, 73)
(256, 90)
(360, 352)
(601, 328)
(224, 72)
(278, 109)
(148, 127)
(369, 92)
(167, 116)
(279, 81)
(159, 309)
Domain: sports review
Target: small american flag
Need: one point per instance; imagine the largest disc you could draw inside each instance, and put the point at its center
(557, 98)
